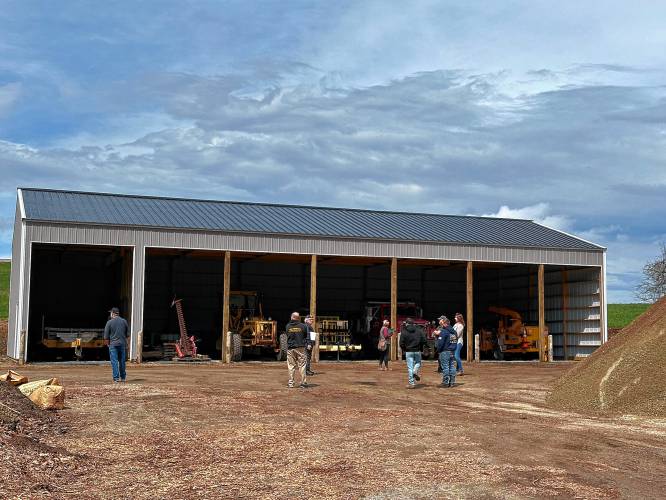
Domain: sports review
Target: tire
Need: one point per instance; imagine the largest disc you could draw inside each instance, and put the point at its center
(282, 353)
(236, 347)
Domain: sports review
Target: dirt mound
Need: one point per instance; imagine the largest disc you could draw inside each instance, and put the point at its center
(32, 465)
(18, 413)
(627, 375)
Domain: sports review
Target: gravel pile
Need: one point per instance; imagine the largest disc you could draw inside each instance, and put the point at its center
(625, 376)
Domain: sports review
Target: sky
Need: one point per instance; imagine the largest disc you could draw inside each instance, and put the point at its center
(554, 112)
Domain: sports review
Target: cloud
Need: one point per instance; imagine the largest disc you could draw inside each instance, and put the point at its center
(9, 94)
(482, 108)
(539, 213)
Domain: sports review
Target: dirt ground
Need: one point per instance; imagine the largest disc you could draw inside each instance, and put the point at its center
(237, 431)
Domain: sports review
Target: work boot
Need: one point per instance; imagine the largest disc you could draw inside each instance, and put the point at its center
(417, 377)
(304, 385)
(310, 373)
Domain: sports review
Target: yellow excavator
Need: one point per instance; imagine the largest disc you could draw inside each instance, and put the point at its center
(512, 338)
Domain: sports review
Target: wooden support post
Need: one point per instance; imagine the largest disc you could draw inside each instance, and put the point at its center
(313, 303)
(22, 341)
(477, 347)
(226, 338)
(139, 346)
(469, 319)
(565, 313)
(395, 344)
(542, 315)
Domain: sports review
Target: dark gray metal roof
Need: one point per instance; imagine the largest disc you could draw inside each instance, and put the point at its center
(156, 212)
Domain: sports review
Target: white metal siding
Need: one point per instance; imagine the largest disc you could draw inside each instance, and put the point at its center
(100, 235)
(14, 288)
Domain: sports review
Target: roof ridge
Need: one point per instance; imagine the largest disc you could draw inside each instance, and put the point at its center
(230, 202)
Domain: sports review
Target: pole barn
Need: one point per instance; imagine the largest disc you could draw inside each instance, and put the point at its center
(76, 254)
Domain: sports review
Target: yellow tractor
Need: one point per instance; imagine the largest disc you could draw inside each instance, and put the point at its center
(511, 339)
(250, 332)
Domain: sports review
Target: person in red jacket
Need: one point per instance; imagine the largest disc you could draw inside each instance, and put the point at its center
(384, 345)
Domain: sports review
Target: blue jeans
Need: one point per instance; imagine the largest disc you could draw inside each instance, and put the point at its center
(117, 356)
(413, 365)
(459, 367)
(446, 359)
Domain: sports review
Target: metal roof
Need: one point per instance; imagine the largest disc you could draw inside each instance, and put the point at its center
(228, 216)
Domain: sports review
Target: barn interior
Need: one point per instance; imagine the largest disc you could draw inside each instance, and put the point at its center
(72, 289)
(344, 287)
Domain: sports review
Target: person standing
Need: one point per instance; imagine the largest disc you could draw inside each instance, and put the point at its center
(459, 327)
(446, 347)
(116, 333)
(412, 341)
(297, 340)
(384, 345)
(308, 347)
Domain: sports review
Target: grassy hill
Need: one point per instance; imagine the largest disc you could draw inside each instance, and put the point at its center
(4, 289)
(619, 315)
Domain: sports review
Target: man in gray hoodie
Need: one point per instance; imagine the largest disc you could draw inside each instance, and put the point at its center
(116, 333)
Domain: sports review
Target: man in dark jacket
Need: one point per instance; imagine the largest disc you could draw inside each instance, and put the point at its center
(446, 348)
(297, 340)
(412, 341)
(116, 333)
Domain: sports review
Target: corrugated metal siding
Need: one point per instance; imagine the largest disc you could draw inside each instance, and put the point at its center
(99, 235)
(14, 290)
(120, 210)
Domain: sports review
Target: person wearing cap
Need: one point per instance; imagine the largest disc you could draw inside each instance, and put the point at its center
(446, 347)
(116, 333)
(297, 340)
(308, 347)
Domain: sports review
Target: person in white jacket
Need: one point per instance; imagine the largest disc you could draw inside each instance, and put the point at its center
(459, 327)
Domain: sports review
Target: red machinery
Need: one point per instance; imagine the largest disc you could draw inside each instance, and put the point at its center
(377, 312)
(186, 346)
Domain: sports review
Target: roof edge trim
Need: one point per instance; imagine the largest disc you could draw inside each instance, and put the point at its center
(19, 194)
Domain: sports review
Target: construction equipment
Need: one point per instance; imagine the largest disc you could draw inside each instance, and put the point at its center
(250, 331)
(335, 336)
(72, 338)
(186, 346)
(512, 338)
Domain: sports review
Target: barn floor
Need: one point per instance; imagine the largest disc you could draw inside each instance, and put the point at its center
(237, 432)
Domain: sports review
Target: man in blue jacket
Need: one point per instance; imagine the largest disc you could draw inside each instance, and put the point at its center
(446, 347)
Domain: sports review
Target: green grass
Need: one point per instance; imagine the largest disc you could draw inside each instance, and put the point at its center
(4, 289)
(620, 315)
